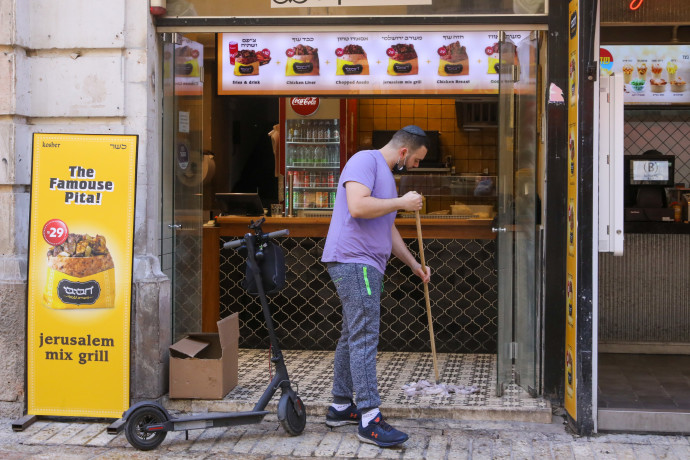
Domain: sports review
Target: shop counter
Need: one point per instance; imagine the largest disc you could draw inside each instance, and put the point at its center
(432, 227)
(460, 252)
(661, 228)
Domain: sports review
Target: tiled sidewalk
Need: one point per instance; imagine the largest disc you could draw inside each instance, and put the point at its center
(312, 371)
(429, 439)
(454, 434)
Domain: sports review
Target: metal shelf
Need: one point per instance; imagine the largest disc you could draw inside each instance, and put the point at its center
(307, 141)
(318, 187)
(314, 166)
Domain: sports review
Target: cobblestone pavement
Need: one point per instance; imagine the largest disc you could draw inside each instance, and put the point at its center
(429, 439)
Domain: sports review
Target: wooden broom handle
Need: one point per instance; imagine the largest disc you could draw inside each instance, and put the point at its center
(426, 295)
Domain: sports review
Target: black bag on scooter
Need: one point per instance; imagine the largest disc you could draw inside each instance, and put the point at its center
(272, 268)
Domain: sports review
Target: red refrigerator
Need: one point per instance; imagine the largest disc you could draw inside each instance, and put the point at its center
(317, 137)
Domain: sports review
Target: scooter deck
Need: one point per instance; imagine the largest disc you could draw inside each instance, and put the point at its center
(211, 420)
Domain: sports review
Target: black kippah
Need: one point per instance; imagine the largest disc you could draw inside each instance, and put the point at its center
(414, 129)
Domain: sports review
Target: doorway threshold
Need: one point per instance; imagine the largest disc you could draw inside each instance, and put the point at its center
(644, 421)
(644, 393)
(312, 372)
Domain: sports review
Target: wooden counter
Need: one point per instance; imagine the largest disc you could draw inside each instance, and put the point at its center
(316, 227)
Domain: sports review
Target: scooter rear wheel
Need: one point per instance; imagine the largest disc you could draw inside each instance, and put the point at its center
(291, 422)
(136, 424)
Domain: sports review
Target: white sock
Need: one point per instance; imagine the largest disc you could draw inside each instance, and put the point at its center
(369, 415)
(339, 407)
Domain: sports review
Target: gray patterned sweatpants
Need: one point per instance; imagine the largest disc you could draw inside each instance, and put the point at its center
(359, 287)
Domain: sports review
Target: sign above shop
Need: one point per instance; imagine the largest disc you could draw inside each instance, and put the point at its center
(654, 74)
(345, 63)
(635, 4)
(644, 12)
(332, 3)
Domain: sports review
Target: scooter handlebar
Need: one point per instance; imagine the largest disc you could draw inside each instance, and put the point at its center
(233, 244)
(237, 243)
(278, 233)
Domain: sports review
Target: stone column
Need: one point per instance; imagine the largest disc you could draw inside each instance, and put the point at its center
(70, 67)
(15, 180)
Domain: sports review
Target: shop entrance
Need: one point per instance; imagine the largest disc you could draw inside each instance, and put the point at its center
(489, 281)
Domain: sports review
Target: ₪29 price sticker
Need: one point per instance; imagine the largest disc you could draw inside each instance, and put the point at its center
(55, 232)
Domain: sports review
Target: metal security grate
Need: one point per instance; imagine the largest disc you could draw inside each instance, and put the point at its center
(667, 131)
(463, 294)
(644, 295)
(187, 284)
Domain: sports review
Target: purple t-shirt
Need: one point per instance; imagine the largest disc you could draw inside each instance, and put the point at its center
(362, 240)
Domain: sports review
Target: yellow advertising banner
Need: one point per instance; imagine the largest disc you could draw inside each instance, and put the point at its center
(80, 274)
(570, 357)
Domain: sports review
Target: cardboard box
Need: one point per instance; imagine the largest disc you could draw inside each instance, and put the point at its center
(204, 365)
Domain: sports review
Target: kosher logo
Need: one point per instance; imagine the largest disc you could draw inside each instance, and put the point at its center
(78, 293)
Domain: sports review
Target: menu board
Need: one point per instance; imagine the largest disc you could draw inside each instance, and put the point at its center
(189, 59)
(652, 74)
(360, 63)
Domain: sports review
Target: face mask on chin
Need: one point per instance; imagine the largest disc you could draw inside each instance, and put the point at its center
(400, 169)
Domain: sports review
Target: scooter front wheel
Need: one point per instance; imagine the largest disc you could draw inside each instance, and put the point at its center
(135, 429)
(292, 422)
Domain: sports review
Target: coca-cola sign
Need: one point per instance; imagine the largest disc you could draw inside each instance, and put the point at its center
(305, 106)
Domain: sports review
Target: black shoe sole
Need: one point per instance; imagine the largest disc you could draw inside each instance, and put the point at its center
(337, 423)
(380, 443)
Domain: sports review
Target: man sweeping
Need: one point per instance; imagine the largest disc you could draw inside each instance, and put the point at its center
(360, 240)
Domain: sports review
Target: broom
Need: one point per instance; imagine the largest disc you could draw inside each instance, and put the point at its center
(426, 296)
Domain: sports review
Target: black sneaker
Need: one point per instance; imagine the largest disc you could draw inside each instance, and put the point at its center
(342, 417)
(380, 433)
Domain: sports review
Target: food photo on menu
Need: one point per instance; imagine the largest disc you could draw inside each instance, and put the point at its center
(652, 74)
(402, 60)
(658, 85)
(494, 57)
(247, 62)
(454, 60)
(303, 60)
(663, 77)
(351, 60)
(187, 62)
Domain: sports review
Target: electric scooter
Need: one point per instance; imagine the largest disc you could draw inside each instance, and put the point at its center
(147, 423)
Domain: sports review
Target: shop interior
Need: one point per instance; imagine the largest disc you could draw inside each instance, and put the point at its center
(459, 151)
(643, 304)
(243, 125)
(643, 379)
(235, 149)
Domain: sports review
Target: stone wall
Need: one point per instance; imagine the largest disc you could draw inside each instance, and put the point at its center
(76, 66)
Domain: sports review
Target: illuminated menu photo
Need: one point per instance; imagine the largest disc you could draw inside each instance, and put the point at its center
(360, 63)
(652, 74)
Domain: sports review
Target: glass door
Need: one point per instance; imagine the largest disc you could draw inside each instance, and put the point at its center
(516, 224)
(182, 179)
